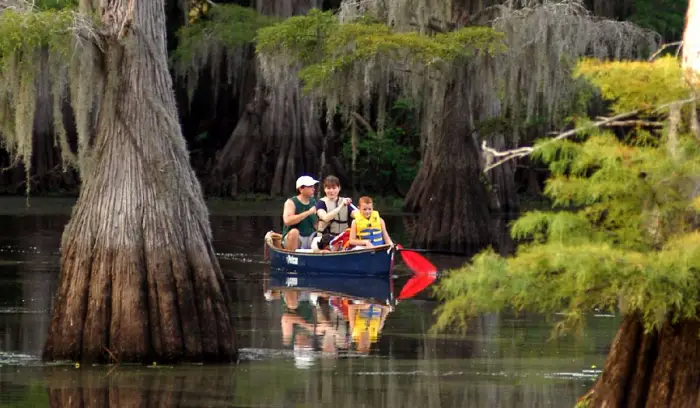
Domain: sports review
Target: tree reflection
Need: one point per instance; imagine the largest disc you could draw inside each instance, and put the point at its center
(139, 386)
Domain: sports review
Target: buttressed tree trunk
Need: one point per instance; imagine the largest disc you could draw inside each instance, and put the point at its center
(139, 278)
(644, 370)
(449, 191)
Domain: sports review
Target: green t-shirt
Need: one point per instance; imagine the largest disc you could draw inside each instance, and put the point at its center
(307, 226)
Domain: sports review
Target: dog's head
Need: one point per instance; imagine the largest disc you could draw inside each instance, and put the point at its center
(321, 242)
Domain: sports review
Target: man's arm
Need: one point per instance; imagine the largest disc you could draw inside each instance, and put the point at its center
(289, 216)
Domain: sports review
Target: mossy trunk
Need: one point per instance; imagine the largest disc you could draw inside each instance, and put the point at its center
(644, 370)
(139, 279)
(450, 191)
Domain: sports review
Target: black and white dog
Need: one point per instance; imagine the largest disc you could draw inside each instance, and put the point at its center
(321, 242)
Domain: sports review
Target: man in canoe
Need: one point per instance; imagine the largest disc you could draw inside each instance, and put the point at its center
(299, 216)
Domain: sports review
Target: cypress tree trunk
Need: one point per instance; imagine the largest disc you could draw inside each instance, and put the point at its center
(139, 278)
(660, 369)
(450, 191)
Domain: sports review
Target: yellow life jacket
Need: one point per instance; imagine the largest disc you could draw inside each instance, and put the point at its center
(367, 320)
(369, 228)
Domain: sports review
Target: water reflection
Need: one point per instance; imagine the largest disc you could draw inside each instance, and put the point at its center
(28, 273)
(326, 315)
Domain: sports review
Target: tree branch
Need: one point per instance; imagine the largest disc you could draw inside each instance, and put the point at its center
(662, 48)
(634, 122)
(363, 122)
(491, 154)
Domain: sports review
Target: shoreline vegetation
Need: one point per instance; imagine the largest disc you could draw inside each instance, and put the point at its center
(244, 204)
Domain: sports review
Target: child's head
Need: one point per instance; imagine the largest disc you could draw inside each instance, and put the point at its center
(366, 206)
(331, 186)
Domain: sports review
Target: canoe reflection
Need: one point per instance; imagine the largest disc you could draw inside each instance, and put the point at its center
(327, 315)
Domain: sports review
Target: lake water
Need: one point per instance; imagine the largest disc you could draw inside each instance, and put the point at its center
(321, 360)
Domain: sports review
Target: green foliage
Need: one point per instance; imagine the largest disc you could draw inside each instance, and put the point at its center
(636, 84)
(666, 17)
(391, 158)
(227, 25)
(55, 4)
(326, 48)
(626, 233)
(23, 33)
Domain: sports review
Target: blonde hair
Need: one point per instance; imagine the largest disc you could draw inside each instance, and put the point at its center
(365, 200)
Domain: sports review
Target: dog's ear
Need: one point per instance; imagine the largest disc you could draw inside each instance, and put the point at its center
(316, 243)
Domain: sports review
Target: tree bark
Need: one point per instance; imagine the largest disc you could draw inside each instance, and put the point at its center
(658, 369)
(139, 278)
(450, 192)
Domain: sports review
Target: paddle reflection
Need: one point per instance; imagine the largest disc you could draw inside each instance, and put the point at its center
(326, 316)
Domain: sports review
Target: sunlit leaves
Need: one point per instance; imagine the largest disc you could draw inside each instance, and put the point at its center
(636, 84)
(626, 236)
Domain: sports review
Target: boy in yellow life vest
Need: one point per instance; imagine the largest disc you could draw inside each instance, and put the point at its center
(368, 228)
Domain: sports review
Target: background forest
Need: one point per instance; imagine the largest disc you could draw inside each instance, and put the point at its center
(245, 137)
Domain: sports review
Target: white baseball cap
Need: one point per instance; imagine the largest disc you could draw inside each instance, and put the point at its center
(304, 181)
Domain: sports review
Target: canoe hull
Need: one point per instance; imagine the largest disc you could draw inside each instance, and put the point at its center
(373, 261)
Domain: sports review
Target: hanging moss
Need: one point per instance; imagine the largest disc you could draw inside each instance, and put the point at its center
(344, 63)
(345, 58)
(50, 36)
(545, 40)
(329, 50)
(220, 33)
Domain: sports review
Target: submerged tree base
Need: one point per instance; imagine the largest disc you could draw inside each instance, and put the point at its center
(139, 304)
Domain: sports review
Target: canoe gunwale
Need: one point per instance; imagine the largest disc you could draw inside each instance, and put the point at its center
(271, 236)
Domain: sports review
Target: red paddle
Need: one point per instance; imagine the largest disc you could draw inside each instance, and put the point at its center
(416, 262)
(417, 283)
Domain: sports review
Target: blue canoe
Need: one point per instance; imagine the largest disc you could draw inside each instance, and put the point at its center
(378, 260)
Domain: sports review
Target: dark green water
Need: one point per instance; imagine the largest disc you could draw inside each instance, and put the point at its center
(503, 361)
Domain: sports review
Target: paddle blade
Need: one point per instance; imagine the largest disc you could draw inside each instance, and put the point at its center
(417, 262)
(340, 241)
(416, 284)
